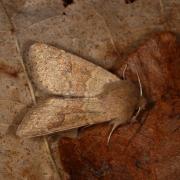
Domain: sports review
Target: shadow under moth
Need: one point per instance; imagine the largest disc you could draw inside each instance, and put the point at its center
(80, 94)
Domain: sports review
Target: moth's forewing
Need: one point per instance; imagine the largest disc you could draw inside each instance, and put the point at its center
(55, 114)
(61, 73)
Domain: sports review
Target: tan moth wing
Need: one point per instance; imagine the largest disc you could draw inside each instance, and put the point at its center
(58, 72)
(56, 114)
(118, 101)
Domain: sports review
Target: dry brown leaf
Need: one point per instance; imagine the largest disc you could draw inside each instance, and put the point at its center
(147, 151)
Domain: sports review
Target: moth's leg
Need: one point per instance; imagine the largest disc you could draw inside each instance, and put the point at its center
(140, 84)
(118, 122)
(115, 124)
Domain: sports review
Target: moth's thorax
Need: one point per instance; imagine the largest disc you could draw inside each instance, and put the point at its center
(121, 98)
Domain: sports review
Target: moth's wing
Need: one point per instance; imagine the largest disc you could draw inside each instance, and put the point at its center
(58, 72)
(55, 114)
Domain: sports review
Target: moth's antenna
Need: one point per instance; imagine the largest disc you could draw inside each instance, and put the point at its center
(139, 81)
(141, 94)
(124, 71)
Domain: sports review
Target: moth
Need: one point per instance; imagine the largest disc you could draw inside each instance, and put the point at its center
(80, 94)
